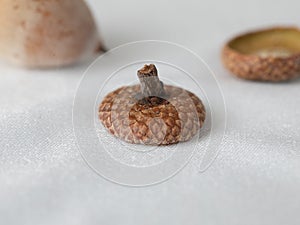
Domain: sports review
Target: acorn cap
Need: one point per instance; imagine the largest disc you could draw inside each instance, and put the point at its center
(265, 55)
(152, 113)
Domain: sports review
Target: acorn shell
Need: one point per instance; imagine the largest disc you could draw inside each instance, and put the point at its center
(47, 33)
(176, 119)
(266, 55)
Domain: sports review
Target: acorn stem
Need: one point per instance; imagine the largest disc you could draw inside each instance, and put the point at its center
(150, 83)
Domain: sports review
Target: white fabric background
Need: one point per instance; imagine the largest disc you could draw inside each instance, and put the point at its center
(254, 180)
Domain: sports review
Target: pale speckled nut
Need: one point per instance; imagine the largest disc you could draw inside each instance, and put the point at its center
(175, 118)
(250, 56)
(36, 33)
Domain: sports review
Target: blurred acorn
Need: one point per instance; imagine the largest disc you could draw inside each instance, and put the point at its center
(41, 34)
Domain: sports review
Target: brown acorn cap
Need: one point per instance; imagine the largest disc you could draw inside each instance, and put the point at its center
(265, 55)
(152, 113)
